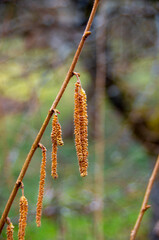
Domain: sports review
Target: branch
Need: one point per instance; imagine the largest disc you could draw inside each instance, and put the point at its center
(48, 117)
(99, 122)
(144, 206)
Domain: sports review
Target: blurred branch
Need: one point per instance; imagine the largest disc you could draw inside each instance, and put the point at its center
(122, 99)
(145, 205)
(100, 122)
(50, 113)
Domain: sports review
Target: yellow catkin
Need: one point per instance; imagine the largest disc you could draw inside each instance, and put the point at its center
(84, 132)
(54, 128)
(10, 231)
(77, 123)
(23, 217)
(56, 134)
(41, 186)
(80, 128)
(54, 160)
(56, 138)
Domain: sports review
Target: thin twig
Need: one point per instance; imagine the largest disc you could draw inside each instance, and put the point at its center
(145, 205)
(46, 121)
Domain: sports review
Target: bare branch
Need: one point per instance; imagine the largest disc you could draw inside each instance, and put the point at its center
(145, 205)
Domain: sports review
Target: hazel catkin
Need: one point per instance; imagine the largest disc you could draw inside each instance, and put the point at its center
(23, 217)
(80, 128)
(41, 186)
(54, 128)
(56, 138)
(83, 132)
(77, 123)
(10, 231)
(54, 160)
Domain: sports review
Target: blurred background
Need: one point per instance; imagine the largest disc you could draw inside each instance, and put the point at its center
(119, 69)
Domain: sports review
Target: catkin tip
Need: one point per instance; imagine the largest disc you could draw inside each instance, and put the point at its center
(83, 174)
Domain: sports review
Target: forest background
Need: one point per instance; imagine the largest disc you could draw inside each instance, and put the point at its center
(38, 40)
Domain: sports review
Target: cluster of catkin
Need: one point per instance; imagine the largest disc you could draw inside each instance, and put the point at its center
(81, 127)
(56, 138)
(81, 142)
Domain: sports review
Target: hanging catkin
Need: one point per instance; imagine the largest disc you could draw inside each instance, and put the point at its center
(80, 128)
(54, 147)
(10, 231)
(54, 128)
(23, 217)
(41, 186)
(84, 132)
(56, 138)
(77, 123)
(54, 160)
